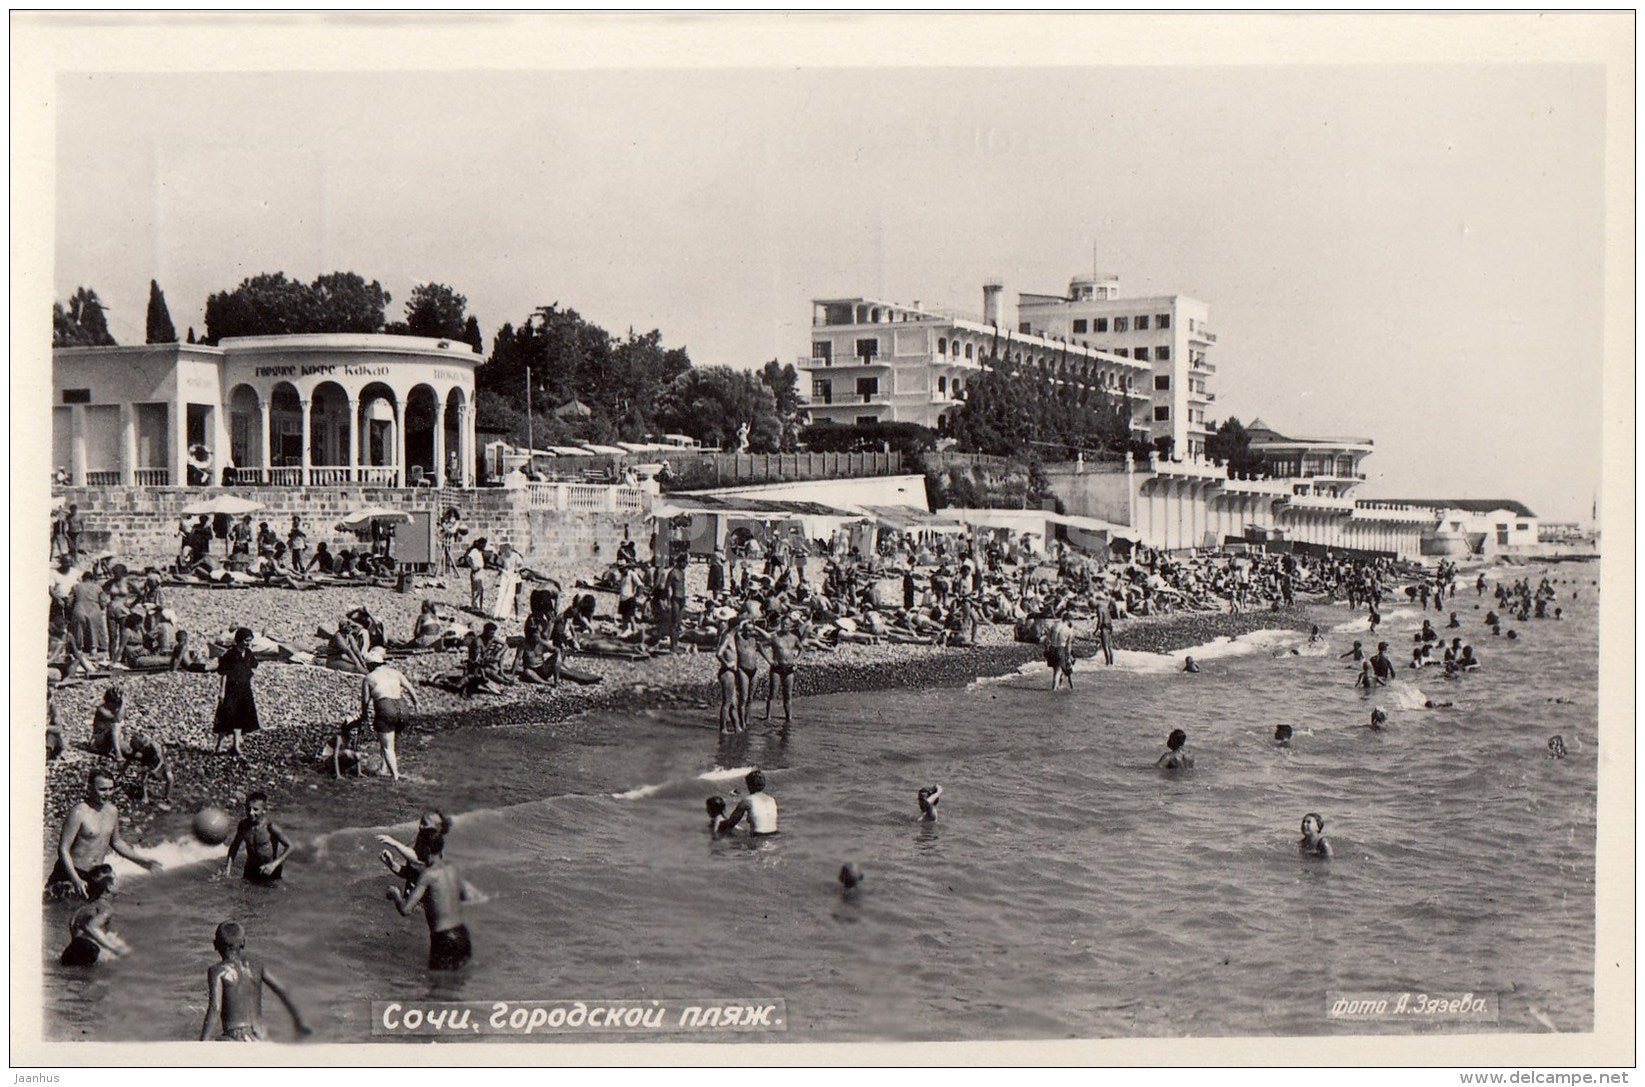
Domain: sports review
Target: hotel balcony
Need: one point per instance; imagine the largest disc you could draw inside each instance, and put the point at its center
(844, 400)
(850, 362)
(1319, 502)
(1202, 335)
(1202, 366)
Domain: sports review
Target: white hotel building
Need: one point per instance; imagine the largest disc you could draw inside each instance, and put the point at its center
(875, 361)
(881, 362)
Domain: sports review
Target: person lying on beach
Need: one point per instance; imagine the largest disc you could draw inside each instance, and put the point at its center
(234, 990)
(188, 656)
(929, 796)
(267, 846)
(89, 934)
(758, 806)
(1176, 757)
(1313, 843)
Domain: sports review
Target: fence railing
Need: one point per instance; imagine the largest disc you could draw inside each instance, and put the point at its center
(587, 498)
(724, 469)
(103, 479)
(147, 477)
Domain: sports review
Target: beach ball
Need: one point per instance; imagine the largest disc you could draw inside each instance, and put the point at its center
(213, 826)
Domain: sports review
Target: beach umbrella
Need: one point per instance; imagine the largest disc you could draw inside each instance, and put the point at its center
(360, 519)
(223, 503)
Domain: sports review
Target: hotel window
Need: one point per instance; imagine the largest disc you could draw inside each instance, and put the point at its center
(1099, 324)
(1162, 382)
(942, 384)
(823, 349)
(1162, 320)
(967, 350)
(1079, 324)
(1123, 352)
(954, 349)
(942, 345)
(1522, 527)
(868, 349)
(1122, 324)
(1162, 415)
(1140, 353)
(1024, 326)
(1142, 322)
(1162, 353)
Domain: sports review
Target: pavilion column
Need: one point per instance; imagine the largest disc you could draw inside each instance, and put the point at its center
(128, 445)
(400, 444)
(179, 444)
(465, 444)
(77, 445)
(354, 430)
(439, 442)
(265, 423)
(308, 458)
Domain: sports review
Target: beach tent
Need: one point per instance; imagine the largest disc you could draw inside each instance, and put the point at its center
(714, 516)
(233, 505)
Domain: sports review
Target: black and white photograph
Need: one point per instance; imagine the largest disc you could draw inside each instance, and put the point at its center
(1058, 538)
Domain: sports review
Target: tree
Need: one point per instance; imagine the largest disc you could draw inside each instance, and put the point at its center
(435, 311)
(711, 405)
(471, 335)
(160, 328)
(81, 323)
(784, 383)
(911, 439)
(1231, 444)
(269, 304)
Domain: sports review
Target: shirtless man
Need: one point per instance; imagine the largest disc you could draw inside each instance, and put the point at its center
(90, 831)
(929, 797)
(1175, 758)
(1059, 651)
(759, 806)
(1381, 666)
(1313, 843)
(748, 669)
(730, 690)
(782, 650)
(234, 990)
(441, 891)
(1355, 654)
(267, 846)
(1105, 630)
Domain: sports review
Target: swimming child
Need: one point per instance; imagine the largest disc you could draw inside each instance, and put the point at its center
(929, 796)
(1189, 665)
(716, 813)
(1282, 735)
(1556, 747)
(89, 935)
(1379, 719)
(1175, 758)
(1313, 841)
(267, 847)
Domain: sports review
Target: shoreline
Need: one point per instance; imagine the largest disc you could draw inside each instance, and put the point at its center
(300, 714)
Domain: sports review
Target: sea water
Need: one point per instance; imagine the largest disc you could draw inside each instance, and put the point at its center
(1070, 889)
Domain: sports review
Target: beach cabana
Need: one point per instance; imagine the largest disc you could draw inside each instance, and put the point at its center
(714, 518)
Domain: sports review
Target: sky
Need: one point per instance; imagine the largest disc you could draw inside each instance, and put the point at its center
(1408, 252)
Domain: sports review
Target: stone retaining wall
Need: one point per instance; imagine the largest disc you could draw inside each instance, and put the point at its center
(139, 524)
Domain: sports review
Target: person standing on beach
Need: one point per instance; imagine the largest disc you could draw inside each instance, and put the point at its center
(234, 990)
(71, 531)
(91, 830)
(236, 705)
(441, 891)
(783, 655)
(267, 846)
(1059, 651)
(297, 545)
(384, 694)
(748, 669)
(475, 561)
(1105, 630)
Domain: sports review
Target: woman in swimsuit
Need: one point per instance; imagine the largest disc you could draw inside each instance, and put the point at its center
(726, 655)
(89, 935)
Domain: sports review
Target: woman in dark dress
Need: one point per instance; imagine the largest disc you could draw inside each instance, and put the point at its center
(236, 707)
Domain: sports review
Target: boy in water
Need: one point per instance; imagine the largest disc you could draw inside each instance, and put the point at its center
(1175, 758)
(89, 935)
(716, 814)
(267, 847)
(1313, 841)
(441, 891)
(929, 797)
(759, 806)
(1282, 735)
(234, 990)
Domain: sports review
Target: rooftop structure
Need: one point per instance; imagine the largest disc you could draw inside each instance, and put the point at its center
(1326, 467)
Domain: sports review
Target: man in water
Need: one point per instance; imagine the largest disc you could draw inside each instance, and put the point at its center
(1381, 666)
(1059, 651)
(267, 846)
(91, 830)
(1355, 654)
(1282, 735)
(441, 891)
(759, 806)
(234, 990)
(1313, 843)
(929, 796)
(1556, 747)
(1189, 665)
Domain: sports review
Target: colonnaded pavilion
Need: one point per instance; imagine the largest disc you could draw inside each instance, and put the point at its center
(300, 410)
